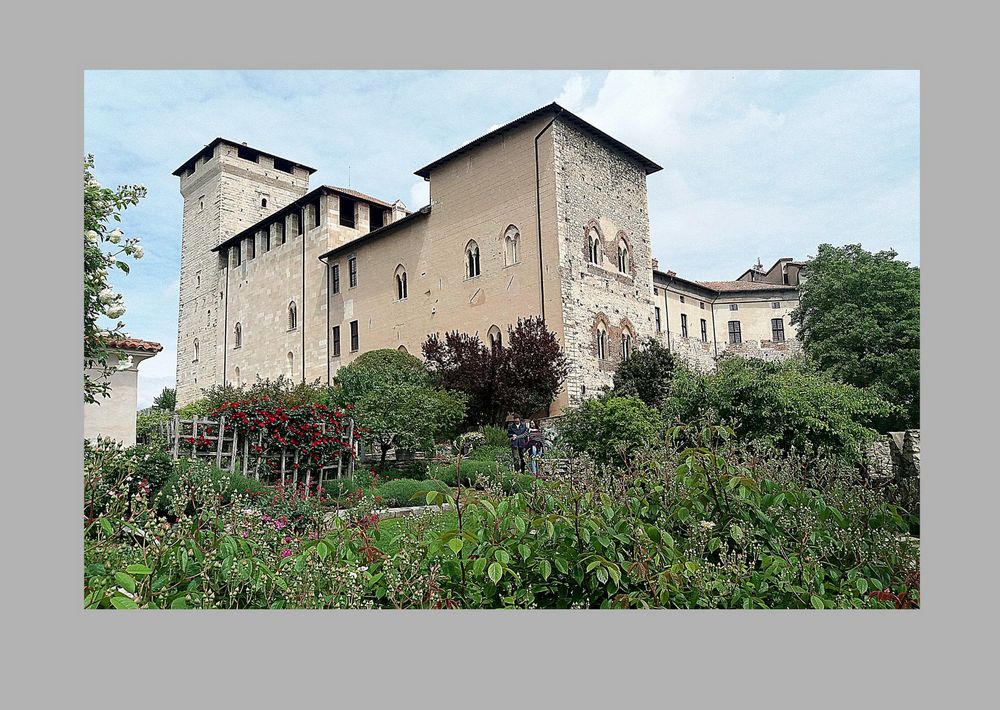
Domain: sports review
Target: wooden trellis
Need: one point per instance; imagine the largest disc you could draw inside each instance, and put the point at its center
(230, 448)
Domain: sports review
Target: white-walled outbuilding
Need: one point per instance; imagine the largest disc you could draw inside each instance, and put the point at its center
(113, 417)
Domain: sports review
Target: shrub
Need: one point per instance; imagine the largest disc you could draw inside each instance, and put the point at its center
(788, 404)
(517, 483)
(340, 487)
(191, 481)
(647, 373)
(416, 469)
(109, 466)
(493, 454)
(149, 426)
(609, 429)
(471, 471)
(404, 492)
(496, 436)
(470, 441)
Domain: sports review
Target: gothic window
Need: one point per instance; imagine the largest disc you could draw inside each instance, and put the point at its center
(400, 283)
(602, 342)
(293, 319)
(626, 344)
(494, 337)
(197, 349)
(471, 260)
(512, 245)
(624, 259)
(593, 247)
(238, 335)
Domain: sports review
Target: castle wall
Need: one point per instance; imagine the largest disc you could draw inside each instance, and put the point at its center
(599, 188)
(222, 196)
(477, 196)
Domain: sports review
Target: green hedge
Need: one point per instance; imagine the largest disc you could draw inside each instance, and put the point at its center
(471, 470)
(404, 492)
(228, 484)
(341, 487)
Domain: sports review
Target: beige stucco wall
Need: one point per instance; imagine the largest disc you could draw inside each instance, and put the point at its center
(113, 417)
(474, 197)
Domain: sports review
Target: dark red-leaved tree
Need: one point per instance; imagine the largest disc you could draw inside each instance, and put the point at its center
(523, 375)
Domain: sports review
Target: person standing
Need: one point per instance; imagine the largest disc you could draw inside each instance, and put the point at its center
(517, 432)
(535, 443)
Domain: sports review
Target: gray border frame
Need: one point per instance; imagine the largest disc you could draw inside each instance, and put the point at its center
(61, 656)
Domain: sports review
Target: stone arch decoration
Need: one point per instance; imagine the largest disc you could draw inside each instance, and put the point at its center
(601, 329)
(622, 239)
(591, 249)
(511, 245)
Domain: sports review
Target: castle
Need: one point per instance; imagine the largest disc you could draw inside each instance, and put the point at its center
(545, 216)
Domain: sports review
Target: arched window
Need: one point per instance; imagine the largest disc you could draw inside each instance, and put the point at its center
(494, 338)
(402, 349)
(471, 260)
(237, 377)
(624, 260)
(291, 365)
(626, 344)
(602, 342)
(263, 202)
(197, 349)
(593, 247)
(401, 291)
(293, 317)
(512, 245)
(238, 335)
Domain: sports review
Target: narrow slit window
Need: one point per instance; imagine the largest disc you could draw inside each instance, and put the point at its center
(293, 319)
(354, 336)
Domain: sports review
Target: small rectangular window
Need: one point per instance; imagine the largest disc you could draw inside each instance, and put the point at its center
(347, 208)
(336, 278)
(684, 325)
(658, 328)
(376, 219)
(336, 341)
(352, 271)
(284, 166)
(682, 299)
(701, 304)
(704, 331)
(354, 336)
(775, 304)
(247, 153)
(735, 336)
(778, 330)
(734, 306)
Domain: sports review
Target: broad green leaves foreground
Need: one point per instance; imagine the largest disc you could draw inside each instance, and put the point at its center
(701, 530)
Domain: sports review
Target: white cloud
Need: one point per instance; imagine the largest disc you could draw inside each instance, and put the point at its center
(573, 92)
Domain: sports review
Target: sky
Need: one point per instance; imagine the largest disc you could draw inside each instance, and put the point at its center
(756, 164)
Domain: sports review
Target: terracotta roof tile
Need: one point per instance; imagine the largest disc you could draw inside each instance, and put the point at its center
(360, 195)
(128, 343)
(727, 286)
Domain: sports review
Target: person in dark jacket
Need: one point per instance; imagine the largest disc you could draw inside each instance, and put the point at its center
(517, 432)
(536, 445)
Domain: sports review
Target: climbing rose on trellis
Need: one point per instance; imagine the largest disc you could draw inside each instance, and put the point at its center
(268, 427)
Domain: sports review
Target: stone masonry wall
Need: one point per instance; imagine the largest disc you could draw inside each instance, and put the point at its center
(599, 188)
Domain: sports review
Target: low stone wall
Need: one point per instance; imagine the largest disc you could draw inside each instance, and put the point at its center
(895, 455)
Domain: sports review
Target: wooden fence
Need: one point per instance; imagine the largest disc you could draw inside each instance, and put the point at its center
(226, 449)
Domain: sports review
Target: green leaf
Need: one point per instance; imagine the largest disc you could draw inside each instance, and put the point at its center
(322, 549)
(520, 525)
(817, 602)
(546, 568)
(653, 533)
(179, 603)
(862, 584)
(455, 544)
(524, 550)
(479, 565)
(602, 574)
(106, 527)
(138, 569)
(119, 602)
(495, 572)
(431, 497)
(737, 532)
(562, 565)
(126, 580)
(714, 544)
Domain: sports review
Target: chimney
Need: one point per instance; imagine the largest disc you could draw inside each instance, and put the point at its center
(656, 264)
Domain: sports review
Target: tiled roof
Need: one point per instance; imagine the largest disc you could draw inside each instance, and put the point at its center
(128, 343)
(727, 286)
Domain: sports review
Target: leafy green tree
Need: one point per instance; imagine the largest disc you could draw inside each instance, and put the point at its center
(647, 373)
(395, 402)
(167, 399)
(610, 428)
(859, 320)
(102, 247)
(786, 404)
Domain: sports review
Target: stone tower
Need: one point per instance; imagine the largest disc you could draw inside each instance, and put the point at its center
(226, 187)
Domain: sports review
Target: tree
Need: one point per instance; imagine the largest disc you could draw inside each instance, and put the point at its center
(646, 373)
(521, 376)
(859, 320)
(395, 402)
(610, 428)
(786, 404)
(102, 205)
(167, 399)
